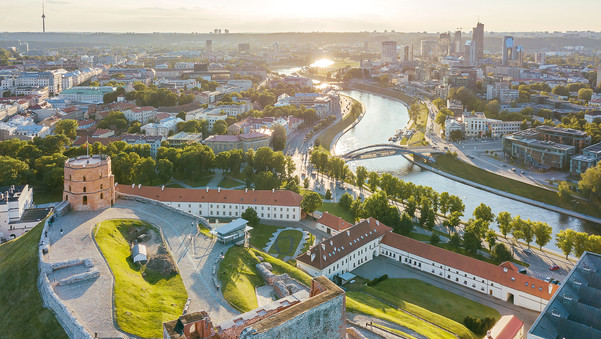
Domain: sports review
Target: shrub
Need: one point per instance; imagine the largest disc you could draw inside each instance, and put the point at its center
(328, 195)
(377, 280)
(479, 325)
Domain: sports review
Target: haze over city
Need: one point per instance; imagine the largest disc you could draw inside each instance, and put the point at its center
(287, 16)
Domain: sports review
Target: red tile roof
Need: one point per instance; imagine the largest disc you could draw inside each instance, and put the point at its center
(497, 274)
(334, 222)
(279, 198)
(337, 247)
(507, 327)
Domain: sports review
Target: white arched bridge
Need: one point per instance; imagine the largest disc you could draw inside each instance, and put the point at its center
(386, 150)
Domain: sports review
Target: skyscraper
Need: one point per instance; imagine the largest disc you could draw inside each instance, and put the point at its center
(444, 44)
(598, 76)
(457, 45)
(478, 40)
(389, 52)
(507, 49)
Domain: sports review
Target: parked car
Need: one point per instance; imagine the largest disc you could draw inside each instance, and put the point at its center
(554, 267)
(527, 251)
(548, 279)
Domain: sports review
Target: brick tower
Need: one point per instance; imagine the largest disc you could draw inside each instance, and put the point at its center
(89, 182)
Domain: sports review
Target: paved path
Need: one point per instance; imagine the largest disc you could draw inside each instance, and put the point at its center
(92, 300)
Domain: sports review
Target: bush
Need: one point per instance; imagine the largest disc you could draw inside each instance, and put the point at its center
(345, 201)
(377, 280)
(328, 195)
(434, 239)
(478, 325)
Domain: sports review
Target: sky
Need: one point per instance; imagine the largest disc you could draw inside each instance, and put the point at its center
(298, 16)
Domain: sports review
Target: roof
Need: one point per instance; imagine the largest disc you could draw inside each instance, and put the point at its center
(507, 327)
(337, 247)
(222, 138)
(498, 274)
(253, 135)
(334, 222)
(138, 249)
(233, 226)
(251, 197)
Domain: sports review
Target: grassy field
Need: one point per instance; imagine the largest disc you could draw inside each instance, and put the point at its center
(452, 165)
(142, 304)
(228, 182)
(280, 267)
(286, 243)
(401, 333)
(198, 180)
(23, 315)
(358, 302)
(44, 196)
(259, 235)
(431, 298)
(334, 209)
(239, 277)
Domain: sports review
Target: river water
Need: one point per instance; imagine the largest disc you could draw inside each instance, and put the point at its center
(384, 116)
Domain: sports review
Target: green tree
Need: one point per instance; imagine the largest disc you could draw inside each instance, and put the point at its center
(67, 127)
(585, 94)
(594, 243)
(405, 226)
(527, 232)
(580, 240)
(220, 127)
(452, 221)
(484, 212)
(411, 206)
(471, 242)
(591, 181)
(504, 222)
(328, 194)
(278, 138)
(13, 171)
(144, 171)
(311, 202)
(491, 239)
(306, 183)
(565, 242)
(500, 254)
(361, 176)
(164, 170)
(455, 240)
(564, 192)
(543, 233)
(345, 201)
(251, 216)
(373, 181)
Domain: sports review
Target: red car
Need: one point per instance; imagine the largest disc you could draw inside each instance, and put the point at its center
(554, 268)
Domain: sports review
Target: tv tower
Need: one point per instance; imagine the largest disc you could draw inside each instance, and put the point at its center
(43, 19)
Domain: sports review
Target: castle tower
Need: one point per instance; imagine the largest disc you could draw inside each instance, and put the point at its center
(89, 182)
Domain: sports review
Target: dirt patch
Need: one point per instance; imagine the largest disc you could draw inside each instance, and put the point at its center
(161, 263)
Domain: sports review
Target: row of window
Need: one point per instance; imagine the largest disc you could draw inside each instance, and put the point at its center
(230, 206)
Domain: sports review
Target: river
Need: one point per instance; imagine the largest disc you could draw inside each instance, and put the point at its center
(384, 116)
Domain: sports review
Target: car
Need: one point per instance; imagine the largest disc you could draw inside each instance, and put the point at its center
(522, 172)
(548, 279)
(527, 251)
(555, 281)
(513, 169)
(554, 267)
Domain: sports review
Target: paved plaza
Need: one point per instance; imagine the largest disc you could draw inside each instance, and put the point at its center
(91, 300)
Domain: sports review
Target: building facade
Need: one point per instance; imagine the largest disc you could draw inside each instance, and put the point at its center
(539, 154)
(14, 200)
(590, 157)
(89, 183)
(389, 51)
(90, 95)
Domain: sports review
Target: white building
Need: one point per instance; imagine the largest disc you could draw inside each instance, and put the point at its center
(359, 244)
(90, 95)
(451, 124)
(218, 203)
(162, 128)
(141, 114)
(14, 200)
(389, 52)
(477, 125)
(211, 116)
(332, 224)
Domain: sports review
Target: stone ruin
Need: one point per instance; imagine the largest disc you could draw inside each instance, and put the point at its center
(282, 284)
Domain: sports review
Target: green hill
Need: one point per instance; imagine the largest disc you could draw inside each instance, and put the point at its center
(23, 315)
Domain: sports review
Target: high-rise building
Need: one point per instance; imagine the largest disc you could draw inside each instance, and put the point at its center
(470, 54)
(508, 49)
(427, 47)
(457, 46)
(539, 58)
(478, 40)
(598, 76)
(444, 44)
(406, 54)
(244, 48)
(208, 46)
(389, 51)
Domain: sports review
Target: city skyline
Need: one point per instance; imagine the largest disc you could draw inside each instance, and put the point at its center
(265, 16)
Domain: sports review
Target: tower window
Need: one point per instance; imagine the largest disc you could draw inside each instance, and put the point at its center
(101, 196)
(84, 189)
(85, 199)
(84, 178)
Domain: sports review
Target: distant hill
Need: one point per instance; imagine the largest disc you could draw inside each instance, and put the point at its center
(22, 314)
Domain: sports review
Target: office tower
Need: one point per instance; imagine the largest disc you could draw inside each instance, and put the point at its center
(444, 44)
(208, 46)
(507, 49)
(539, 58)
(389, 52)
(405, 53)
(427, 47)
(478, 40)
(598, 76)
(457, 45)
(470, 53)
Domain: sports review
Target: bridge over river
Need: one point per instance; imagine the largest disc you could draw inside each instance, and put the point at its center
(385, 150)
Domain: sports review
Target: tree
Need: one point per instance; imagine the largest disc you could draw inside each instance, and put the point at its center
(434, 239)
(405, 226)
(527, 232)
(373, 181)
(311, 202)
(543, 233)
(165, 170)
(564, 240)
(564, 192)
(220, 127)
(456, 135)
(424, 209)
(504, 222)
(580, 240)
(278, 138)
(484, 212)
(491, 239)
(357, 208)
(456, 204)
(594, 243)
(585, 94)
(345, 201)
(328, 194)
(500, 253)
(411, 206)
(13, 171)
(452, 221)
(67, 127)
(306, 183)
(455, 240)
(251, 216)
(361, 176)
(266, 180)
(471, 242)
(144, 170)
(591, 181)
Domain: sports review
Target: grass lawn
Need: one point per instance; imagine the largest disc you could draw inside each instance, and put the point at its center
(286, 243)
(239, 277)
(41, 196)
(228, 182)
(198, 181)
(452, 165)
(142, 304)
(401, 333)
(358, 302)
(304, 191)
(23, 315)
(259, 235)
(280, 267)
(334, 209)
(431, 298)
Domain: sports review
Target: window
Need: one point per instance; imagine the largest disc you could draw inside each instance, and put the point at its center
(84, 178)
(85, 200)
(101, 196)
(84, 189)
(69, 188)
(69, 176)
(101, 186)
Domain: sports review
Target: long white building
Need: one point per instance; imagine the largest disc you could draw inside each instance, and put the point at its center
(14, 200)
(361, 243)
(218, 203)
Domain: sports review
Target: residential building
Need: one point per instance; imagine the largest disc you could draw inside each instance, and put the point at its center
(91, 95)
(51, 79)
(246, 141)
(478, 40)
(526, 147)
(162, 128)
(324, 104)
(389, 52)
(28, 132)
(428, 47)
(369, 238)
(500, 128)
(103, 133)
(565, 136)
(222, 203)
(590, 157)
(232, 110)
(183, 139)
(475, 124)
(575, 310)
(451, 124)
(332, 224)
(14, 200)
(591, 116)
(89, 182)
(141, 139)
(508, 327)
(140, 114)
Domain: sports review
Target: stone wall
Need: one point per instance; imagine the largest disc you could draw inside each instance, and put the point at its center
(64, 315)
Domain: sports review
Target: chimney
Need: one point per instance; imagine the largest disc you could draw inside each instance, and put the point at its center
(246, 190)
(133, 185)
(253, 190)
(163, 188)
(139, 185)
(273, 190)
(207, 189)
(218, 189)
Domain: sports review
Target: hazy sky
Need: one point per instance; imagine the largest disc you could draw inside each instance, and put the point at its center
(304, 15)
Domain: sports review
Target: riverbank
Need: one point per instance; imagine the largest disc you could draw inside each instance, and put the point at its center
(516, 197)
(344, 126)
